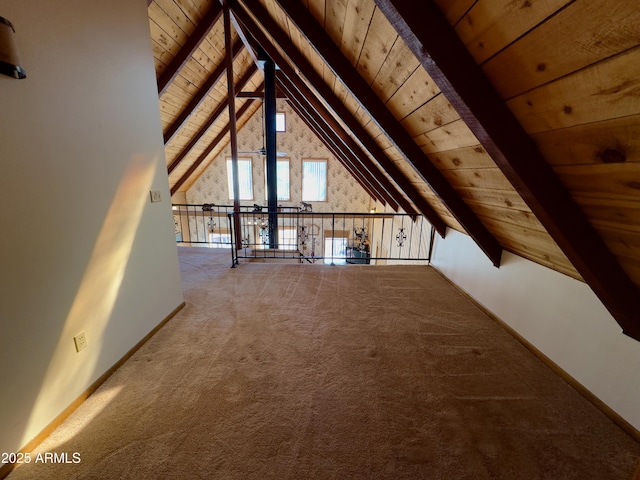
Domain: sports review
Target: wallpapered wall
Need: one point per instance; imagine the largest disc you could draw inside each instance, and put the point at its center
(344, 194)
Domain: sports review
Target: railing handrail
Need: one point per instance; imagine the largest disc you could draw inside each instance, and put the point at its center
(304, 235)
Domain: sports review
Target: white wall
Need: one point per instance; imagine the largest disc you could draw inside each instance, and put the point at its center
(557, 314)
(82, 248)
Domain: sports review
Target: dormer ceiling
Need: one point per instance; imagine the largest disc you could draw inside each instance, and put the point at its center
(517, 123)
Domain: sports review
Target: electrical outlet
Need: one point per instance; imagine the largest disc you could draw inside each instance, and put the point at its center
(155, 196)
(81, 341)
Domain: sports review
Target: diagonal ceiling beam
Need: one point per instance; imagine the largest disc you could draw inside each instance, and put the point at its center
(332, 129)
(199, 97)
(307, 71)
(307, 119)
(369, 182)
(279, 94)
(210, 121)
(201, 158)
(302, 108)
(320, 116)
(245, 41)
(436, 45)
(191, 45)
(413, 154)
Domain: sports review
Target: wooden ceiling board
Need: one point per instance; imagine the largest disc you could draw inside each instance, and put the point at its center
(177, 15)
(592, 143)
(490, 178)
(615, 181)
(395, 71)
(170, 34)
(165, 47)
(490, 26)
(557, 48)
(604, 91)
(356, 25)
(514, 219)
(376, 47)
(524, 244)
(161, 57)
(194, 11)
(454, 10)
(435, 113)
(317, 9)
(612, 213)
(462, 158)
(498, 198)
(451, 136)
(335, 12)
(417, 90)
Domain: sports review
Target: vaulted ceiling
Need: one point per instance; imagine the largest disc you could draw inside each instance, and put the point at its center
(516, 122)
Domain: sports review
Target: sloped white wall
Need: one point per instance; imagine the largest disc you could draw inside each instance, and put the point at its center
(82, 247)
(559, 315)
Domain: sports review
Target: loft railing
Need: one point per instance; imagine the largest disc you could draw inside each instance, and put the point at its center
(207, 225)
(298, 234)
(332, 238)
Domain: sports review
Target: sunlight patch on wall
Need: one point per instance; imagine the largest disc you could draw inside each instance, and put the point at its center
(70, 372)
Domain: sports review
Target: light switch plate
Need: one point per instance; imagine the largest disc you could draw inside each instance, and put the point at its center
(155, 196)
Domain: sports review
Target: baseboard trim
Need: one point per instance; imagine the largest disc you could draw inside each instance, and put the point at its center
(55, 423)
(608, 411)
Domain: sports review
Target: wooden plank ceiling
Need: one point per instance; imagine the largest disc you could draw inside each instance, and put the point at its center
(517, 123)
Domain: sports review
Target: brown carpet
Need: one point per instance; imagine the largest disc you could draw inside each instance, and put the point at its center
(277, 371)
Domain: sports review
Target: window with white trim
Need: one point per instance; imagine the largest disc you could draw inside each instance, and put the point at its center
(314, 180)
(245, 178)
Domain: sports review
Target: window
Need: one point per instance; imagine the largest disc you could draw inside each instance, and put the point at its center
(287, 238)
(219, 240)
(335, 251)
(282, 174)
(314, 180)
(281, 122)
(245, 179)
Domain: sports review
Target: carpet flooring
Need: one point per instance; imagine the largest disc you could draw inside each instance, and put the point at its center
(277, 371)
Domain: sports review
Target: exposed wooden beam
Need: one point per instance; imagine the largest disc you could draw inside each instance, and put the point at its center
(233, 131)
(245, 41)
(324, 91)
(307, 119)
(376, 190)
(199, 97)
(191, 45)
(216, 141)
(332, 130)
(210, 121)
(257, 95)
(330, 141)
(376, 109)
(436, 45)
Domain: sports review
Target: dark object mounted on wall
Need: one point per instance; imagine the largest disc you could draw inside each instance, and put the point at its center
(9, 58)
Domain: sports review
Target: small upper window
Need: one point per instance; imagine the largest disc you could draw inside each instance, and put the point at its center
(281, 122)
